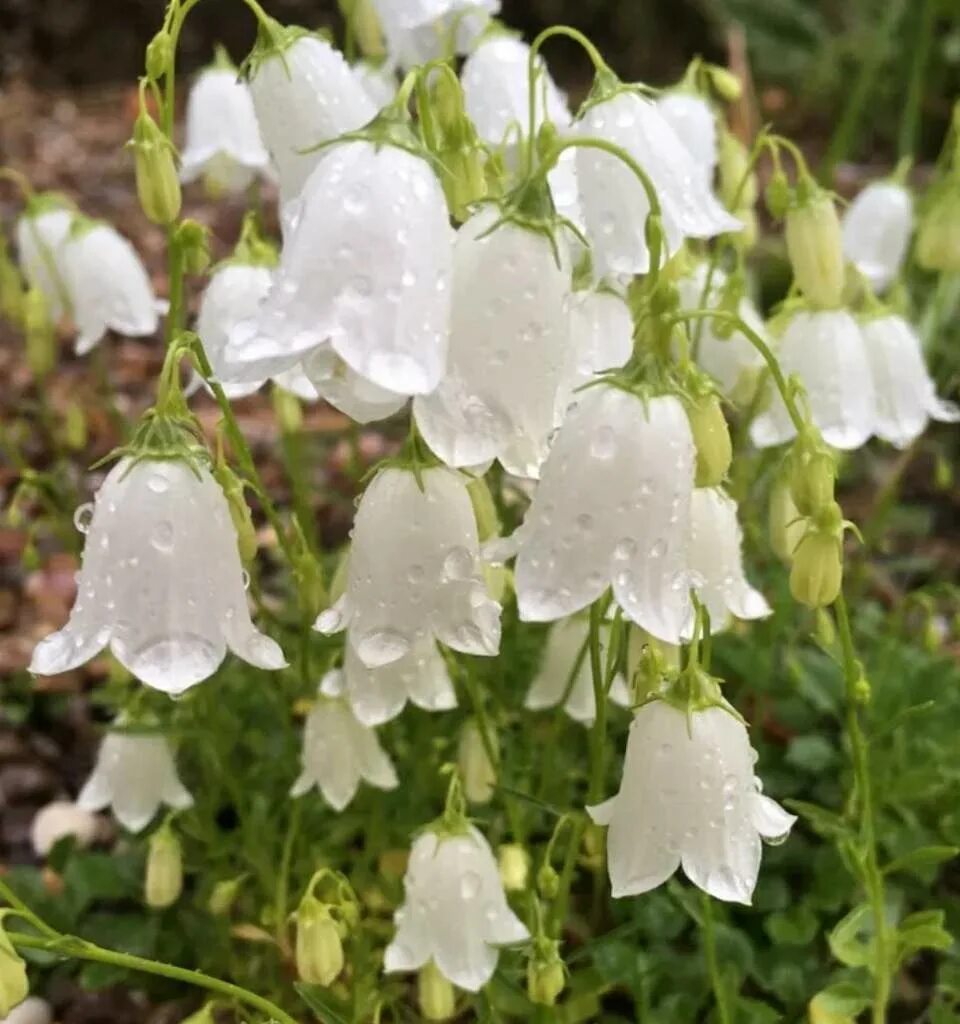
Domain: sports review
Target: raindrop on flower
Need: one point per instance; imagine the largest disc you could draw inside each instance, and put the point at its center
(83, 516)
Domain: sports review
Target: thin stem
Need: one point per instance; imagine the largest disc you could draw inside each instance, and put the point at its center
(919, 61)
(708, 931)
(599, 729)
(175, 273)
(283, 876)
(80, 949)
(872, 875)
(25, 912)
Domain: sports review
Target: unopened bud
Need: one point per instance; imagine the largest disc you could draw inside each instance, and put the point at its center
(434, 993)
(224, 895)
(288, 410)
(40, 339)
(725, 83)
(11, 287)
(13, 976)
(546, 976)
(548, 882)
(812, 477)
(817, 572)
(164, 878)
(712, 438)
(239, 510)
(159, 51)
(938, 237)
(193, 241)
(158, 186)
(319, 949)
(815, 248)
(75, 426)
(514, 864)
(365, 26)
(776, 195)
(787, 527)
(477, 770)
(464, 179)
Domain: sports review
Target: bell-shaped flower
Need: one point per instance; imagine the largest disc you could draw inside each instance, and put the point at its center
(414, 571)
(731, 360)
(161, 581)
(565, 675)
(454, 910)
(601, 338)
(107, 284)
(825, 349)
(331, 379)
(876, 228)
(379, 82)
(716, 560)
(41, 231)
(379, 694)
(338, 751)
(906, 396)
(223, 143)
(134, 776)
(454, 29)
(509, 342)
(615, 205)
(695, 124)
(365, 269)
(689, 799)
(304, 94)
(612, 508)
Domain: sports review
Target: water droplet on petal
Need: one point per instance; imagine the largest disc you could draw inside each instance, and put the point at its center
(382, 646)
(604, 443)
(470, 885)
(162, 536)
(83, 517)
(158, 484)
(458, 564)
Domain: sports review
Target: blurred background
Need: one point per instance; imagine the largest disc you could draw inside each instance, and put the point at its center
(820, 66)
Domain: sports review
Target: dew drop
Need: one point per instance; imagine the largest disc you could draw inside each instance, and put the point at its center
(382, 646)
(83, 517)
(245, 579)
(626, 548)
(658, 548)
(162, 536)
(604, 443)
(458, 564)
(470, 885)
(158, 484)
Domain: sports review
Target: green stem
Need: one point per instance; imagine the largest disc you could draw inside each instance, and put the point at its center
(599, 730)
(283, 875)
(25, 912)
(79, 949)
(872, 875)
(708, 931)
(919, 61)
(175, 272)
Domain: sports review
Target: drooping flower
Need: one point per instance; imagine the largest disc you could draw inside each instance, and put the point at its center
(876, 231)
(325, 374)
(304, 94)
(825, 349)
(454, 910)
(339, 751)
(612, 508)
(906, 396)
(223, 143)
(59, 819)
(107, 284)
(134, 776)
(365, 270)
(732, 361)
(414, 572)
(161, 581)
(601, 337)
(565, 674)
(689, 798)
(379, 694)
(379, 81)
(451, 27)
(614, 203)
(695, 124)
(41, 231)
(509, 342)
(716, 560)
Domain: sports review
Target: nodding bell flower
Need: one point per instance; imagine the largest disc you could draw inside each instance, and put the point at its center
(509, 343)
(601, 337)
(108, 285)
(365, 271)
(612, 507)
(716, 560)
(339, 751)
(42, 229)
(223, 143)
(815, 246)
(161, 581)
(447, 28)
(379, 81)
(379, 694)
(615, 205)
(304, 93)
(323, 374)
(454, 910)
(59, 819)
(695, 124)
(826, 350)
(134, 775)
(905, 394)
(565, 674)
(726, 354)
(876, 232)
(414, 572)
(689, 798)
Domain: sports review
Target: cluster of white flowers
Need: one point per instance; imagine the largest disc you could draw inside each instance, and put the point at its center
(520, 338)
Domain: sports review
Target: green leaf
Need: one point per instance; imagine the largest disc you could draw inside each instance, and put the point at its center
(922, 859)
(794, 927)
(320, 1001)
(851, 940)
(837, 1004)
(923, 930)
(826, 823)
(813, 754)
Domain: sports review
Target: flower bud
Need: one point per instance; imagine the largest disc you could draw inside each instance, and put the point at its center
(158, 185)
(75, 426)
(319, 949)
(725, 83)
(776, 195)
(734, 166)
(787, 527)
(938, 238)
(817, 571)
(546, 976)
(478, 772)
(712, 438)
(815, 247)
(224, 895)
(548, 882)
(514, 864)
(164, 879)
(158, 54)
(192, 239)
(435, 994)
(364, 25)
(239, 510)
(13, 976)
(288, 410)
(11, 287)
(38, 328)
(812, 477)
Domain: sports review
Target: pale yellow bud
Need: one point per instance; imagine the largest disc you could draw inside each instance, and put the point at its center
(13, 976)
(545, 976)
(514, 864)
(938, 237)
(158, 186)
(817, 572)
(319, 949)
(164, 879)
(434, 993)
(477, 770)
(712, 438)
(815, 248)
(786, 525)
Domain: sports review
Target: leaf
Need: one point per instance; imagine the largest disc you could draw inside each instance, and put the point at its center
(813, 754)
(837, 1004)
(319, 1000)
(923, 930)
(921, 859)
(851, 940)
(827, 823)
(794, 927)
